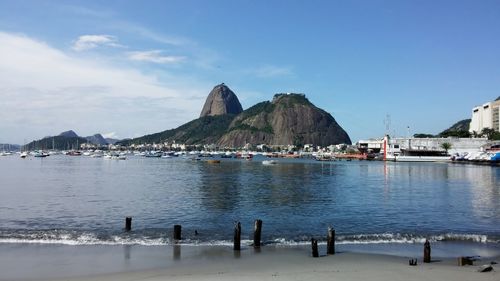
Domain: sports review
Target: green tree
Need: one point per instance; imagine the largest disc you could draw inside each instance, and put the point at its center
(495, 136)
(421, 136)
(488, 132)
(446, 146)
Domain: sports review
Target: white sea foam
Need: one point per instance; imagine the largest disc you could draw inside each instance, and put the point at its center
(87, 238)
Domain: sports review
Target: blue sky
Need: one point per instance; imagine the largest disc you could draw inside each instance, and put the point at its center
(129, 68)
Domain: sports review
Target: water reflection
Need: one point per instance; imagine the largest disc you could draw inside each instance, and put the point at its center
(176, 252)
(126, 252)
(219, 185)
(294, 198)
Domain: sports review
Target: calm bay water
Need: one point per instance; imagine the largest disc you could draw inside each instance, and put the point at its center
(81, 200)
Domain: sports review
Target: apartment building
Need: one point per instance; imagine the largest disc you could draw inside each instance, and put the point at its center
(486, 116)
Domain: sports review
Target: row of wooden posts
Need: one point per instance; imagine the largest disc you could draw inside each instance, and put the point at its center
(330, 241)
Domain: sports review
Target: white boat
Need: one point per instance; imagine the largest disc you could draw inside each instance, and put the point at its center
(269, 162)
(40, 154)
(23, 154)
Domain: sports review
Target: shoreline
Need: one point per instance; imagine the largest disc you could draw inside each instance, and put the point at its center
(180, 262)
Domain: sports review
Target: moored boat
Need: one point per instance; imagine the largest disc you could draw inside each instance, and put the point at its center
(40, 154)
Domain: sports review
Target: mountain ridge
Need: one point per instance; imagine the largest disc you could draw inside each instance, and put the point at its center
(289, 119)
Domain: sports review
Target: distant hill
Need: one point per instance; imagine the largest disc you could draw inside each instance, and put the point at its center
(56, 142)
(204, 130)
(459, 129)
(67, 140)
(97, 139)
(287, 119)
(111, 141)
(9, 147)
(68, 134)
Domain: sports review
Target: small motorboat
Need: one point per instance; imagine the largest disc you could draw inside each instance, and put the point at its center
(269, 162)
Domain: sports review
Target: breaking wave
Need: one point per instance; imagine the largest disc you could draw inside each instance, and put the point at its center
(66, 237)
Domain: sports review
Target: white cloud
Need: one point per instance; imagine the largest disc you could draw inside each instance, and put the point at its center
(83, 11)
(45, 91)
(154, 56)
(150, 34)
(267, 71)
(111, 135)
(87, 42)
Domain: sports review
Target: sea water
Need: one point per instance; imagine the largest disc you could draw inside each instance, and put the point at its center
(77, 200)
(64, 216)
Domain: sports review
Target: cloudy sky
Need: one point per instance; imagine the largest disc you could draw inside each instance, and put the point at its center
(129, 68)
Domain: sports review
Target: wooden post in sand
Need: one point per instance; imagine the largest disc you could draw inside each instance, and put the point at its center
(237, 236)
(427, 251)
(314, 245)
(330, 242)
(257, 233)
(177, 232)
(128, 223)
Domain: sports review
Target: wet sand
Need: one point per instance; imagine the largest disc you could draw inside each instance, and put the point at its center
(110, 263)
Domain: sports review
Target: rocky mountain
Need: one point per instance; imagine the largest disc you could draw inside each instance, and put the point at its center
(97, 139)
(68, 134)
(67, 140)
(462, 125)
(287, 119)
(59, 142)
(459, 129)
(204, 130)
(220, 101)
(111, 141)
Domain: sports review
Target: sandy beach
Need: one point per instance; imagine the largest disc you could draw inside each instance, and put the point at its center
(222, 263)
(291, 265)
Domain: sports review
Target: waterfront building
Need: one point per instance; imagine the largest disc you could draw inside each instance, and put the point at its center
(420, 146)
(486, 116)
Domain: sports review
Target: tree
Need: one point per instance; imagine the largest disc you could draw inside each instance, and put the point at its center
(495, 136)
(446, 146)
(488, 132)
(422, 136)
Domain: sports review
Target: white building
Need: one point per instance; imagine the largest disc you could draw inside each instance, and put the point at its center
(485, 116)
(421, 146)
(432, 146)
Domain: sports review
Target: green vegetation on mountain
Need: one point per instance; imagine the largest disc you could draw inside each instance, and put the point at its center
(207, 129)
(459, 129)
(289, 119)
(60, 142)
(260, 108)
